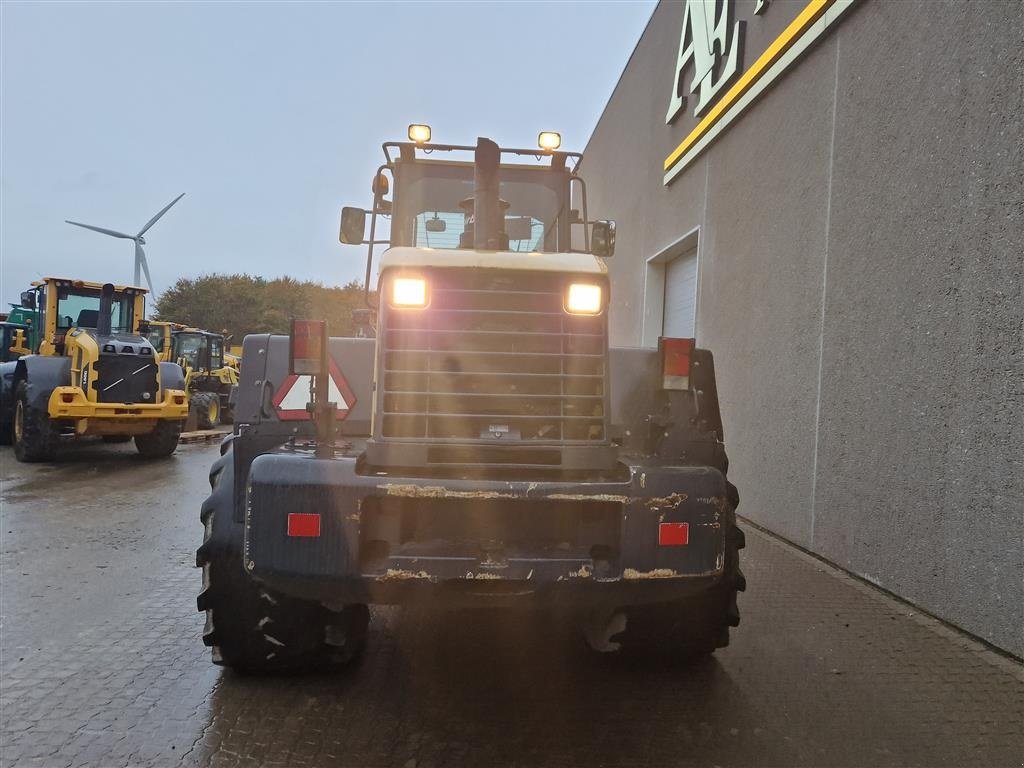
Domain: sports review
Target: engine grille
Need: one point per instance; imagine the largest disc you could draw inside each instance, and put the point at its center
(126, 379)
(495, 360)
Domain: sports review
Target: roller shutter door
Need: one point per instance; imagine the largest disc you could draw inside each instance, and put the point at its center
(681, 296)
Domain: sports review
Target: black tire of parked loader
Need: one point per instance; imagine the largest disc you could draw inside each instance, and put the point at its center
(161, 441)
(206, 406)
(35, 437)
(250, 628)
(696, 626)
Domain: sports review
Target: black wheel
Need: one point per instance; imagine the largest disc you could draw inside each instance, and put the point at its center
(161, 441)
(116, 438)
(207, 409)
(35, 437)
(698, 625)
(250, 628)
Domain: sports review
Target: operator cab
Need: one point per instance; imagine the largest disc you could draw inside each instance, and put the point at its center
(479, 203)
(78, 304)
(198, 350)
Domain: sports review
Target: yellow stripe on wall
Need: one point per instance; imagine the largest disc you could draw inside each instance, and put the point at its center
(814, 10)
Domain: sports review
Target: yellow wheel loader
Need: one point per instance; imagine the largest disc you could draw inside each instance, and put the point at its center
(91, 373)
(209, 374)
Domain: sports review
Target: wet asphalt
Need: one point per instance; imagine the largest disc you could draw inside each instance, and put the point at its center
(101, 662)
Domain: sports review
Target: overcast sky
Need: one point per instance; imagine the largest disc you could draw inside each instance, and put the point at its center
(268, 116)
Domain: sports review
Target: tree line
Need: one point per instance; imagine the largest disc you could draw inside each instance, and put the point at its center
(239, 304)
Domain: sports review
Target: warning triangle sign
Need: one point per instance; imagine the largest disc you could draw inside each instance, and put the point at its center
(295, 392)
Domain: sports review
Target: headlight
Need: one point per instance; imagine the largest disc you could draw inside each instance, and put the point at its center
(583, 299)
(409, 292)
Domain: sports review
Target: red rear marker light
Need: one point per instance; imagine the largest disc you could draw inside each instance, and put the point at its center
(673, 534)
(306, 349)
(67, 397)
(675, 362)
(303, 524)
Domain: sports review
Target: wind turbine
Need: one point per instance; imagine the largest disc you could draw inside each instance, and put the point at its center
(140, 255)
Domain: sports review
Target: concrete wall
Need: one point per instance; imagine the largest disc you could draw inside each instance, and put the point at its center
(861, 241)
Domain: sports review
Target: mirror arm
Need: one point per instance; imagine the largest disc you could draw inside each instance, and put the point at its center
(586, 217)
(369, 255)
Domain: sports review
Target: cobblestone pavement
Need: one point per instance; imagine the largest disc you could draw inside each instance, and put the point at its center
(102, 663)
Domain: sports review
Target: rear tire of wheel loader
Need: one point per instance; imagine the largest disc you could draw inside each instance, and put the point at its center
(35, 437)
(161, 441)
(207, 409)
(250, 628)
(694, 627)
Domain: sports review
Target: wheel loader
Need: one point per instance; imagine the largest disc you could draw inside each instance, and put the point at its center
(483, 446)
(210, 376)
(90, 373)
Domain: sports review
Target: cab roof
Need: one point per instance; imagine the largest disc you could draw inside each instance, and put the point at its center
(74, 282)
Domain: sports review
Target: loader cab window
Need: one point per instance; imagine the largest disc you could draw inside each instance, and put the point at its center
(428, 208)
(192, 350)
(80, 308)
(156, 338)
(442, 229)
(216, 353)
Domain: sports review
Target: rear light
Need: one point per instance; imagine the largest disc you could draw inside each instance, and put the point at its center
(409, 292)
(303, 524)
(179, 400)
(583, 299)
(67, 397)
(306, 351)
(675, 362)
(673, 534)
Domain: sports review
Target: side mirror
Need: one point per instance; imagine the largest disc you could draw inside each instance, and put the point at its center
(353, 225)
(602, 239)
(28, 300)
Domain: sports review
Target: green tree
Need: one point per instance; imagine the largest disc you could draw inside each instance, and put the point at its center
(239, 304)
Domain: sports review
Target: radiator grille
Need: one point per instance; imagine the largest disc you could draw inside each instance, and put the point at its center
(126, 379)
(494, 359)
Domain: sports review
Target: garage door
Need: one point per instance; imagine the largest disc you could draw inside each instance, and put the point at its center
(681, 296)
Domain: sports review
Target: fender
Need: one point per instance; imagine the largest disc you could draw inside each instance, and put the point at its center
(677, 426)
(171, 377)
(42, 374)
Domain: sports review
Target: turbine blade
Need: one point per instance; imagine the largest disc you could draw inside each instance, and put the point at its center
(111, 232)
(140, 258)
(155, 218)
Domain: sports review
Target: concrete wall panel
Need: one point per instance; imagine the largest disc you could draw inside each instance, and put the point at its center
(760, 307)
(861, 238)
(920, 480)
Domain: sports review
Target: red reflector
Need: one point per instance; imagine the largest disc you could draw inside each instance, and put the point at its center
(307, 346)
(673, 534)
(675, 362)
(303, 524)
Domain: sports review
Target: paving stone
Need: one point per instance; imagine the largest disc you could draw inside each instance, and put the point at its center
(823, 671)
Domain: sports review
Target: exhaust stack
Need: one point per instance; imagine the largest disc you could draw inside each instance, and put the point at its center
(488, 216)
(106, 307)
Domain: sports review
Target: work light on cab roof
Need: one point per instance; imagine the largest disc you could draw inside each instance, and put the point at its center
(549, 141)
(419, 133)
